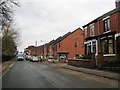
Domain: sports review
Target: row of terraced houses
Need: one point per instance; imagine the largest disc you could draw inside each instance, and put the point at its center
(100, 37)
(69, 45)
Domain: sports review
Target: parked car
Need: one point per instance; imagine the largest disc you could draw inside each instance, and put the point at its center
(26, 57)
(20, 56)
(55, 61)
(34, 59)
(30, 57)
(50, 59)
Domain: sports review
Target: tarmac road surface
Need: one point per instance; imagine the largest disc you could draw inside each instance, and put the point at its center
(26, 74)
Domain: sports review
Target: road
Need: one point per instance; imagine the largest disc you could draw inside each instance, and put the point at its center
(26, 74)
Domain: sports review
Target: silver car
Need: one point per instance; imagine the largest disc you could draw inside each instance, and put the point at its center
(34, 59)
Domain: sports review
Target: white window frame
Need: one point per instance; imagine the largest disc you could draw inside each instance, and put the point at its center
(117, 35)
(88, 44)
(108, 24)
(85, 31)
(92, 29)
(90, 41)
(106, 18)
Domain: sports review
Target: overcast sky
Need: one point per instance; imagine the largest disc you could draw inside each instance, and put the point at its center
(48, 19)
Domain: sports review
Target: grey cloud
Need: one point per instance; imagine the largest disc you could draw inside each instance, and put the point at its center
(45, 20)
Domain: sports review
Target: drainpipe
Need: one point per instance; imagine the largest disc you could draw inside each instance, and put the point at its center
(99, 34)
(98, 27)
(98, 47)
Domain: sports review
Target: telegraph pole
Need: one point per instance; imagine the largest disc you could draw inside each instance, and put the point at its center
(36, 43)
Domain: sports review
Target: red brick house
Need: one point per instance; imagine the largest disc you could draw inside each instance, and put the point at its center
(29, 49)
(49, 48)
(39, 50)
(103, 34)
(70, 45)
(35, 50)
(45, 50)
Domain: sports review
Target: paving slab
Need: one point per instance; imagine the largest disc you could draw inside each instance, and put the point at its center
(101, 73)
(5, 65)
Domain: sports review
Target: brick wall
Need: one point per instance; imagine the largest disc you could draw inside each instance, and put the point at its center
(86, 63)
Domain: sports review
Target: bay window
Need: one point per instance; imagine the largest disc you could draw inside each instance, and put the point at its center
(91, 47)
(94, 47)
(107, 46)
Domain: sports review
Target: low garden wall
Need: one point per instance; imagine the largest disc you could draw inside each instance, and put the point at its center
(86, 63)
(62, 60)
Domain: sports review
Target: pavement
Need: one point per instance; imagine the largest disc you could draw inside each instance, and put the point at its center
(5, 66)
(111, 75)
(106, 74)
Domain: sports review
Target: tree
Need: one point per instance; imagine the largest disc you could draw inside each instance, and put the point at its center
(9, 42)
(6, 12)
(8, 33)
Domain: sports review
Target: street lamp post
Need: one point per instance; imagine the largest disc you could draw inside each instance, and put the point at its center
(43, 48)
(35, 47)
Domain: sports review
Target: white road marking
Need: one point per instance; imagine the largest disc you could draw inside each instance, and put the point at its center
(6, 70)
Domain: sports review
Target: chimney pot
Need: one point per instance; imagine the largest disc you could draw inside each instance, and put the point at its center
(117, 3)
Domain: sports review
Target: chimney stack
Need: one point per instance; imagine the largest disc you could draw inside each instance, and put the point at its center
(117, 3)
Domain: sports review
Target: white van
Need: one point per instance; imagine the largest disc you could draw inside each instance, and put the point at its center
(20, 56)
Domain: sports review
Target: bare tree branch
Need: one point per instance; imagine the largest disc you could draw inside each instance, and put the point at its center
(9, 33)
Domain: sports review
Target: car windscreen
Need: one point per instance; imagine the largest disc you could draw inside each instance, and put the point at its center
(20, 55)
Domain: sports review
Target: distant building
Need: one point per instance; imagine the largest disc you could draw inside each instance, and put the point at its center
(50, 51)
(30, 49)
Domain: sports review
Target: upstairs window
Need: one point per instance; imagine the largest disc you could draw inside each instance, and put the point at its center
(106, 25)
(92, 30)
(52, 48)
(85, 31)
(59, 45)
(56, 48)
(75, 44)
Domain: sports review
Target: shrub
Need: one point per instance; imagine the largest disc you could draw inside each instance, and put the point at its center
(114, 61)
(87, 56)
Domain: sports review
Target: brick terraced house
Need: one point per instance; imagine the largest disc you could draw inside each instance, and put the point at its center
(103, 34)
(70, 45)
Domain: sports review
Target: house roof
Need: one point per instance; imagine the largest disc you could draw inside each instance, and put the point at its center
(51, 42)
(64, 36)
(61, 38)
(57, 40)
(67, 34)
(103, 16)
